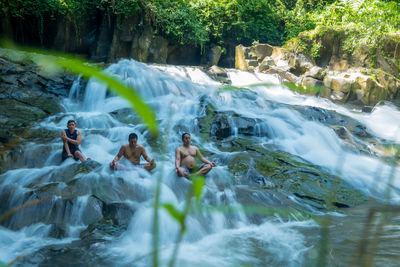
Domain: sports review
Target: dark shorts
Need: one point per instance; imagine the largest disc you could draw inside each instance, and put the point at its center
(64, 154)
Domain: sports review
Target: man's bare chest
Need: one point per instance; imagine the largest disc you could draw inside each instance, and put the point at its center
(188, 152)
(132, 153)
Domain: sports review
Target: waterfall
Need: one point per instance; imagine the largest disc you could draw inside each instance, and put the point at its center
(263, 112)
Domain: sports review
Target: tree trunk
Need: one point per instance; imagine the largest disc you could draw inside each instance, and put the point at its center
(6, 27)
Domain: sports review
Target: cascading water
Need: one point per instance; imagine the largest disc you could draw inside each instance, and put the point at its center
(269, 115)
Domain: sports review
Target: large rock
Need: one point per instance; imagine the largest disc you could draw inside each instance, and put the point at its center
(218, 74)
(266, 64)
(282, 72)
(309, 185)
(316, 73)
(262, 51)
(118, 48)
(240, 58)
(68, 39)
(100, 53)
(158, 51)
(387, 65)
(141, 44)
(227, 59)
(341, 82)
(27, 95)
(362, 88)
(212, 56)
(183, 55)
(225, 125)
(128, 27)
(397, 52)
(119, 212)
(311, 83)
(300, 63)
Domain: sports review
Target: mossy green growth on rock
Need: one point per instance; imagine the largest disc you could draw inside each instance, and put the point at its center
(255, 163)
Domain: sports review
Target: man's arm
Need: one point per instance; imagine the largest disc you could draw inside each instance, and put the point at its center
(66, 147)
(76, 142)
(119, 155)
(203, 159)
(145, 156)
(177, 159)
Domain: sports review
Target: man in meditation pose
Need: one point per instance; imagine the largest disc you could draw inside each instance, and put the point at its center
(132, 152)
(185, 159)
(72, 138)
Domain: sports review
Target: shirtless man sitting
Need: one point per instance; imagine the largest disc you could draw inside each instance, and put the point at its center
(133, 151)
(185, 159)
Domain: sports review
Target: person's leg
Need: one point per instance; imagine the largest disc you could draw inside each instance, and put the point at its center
(117, 166)
(149, 166)
(203, 170)
(182, 172)
(78, 154)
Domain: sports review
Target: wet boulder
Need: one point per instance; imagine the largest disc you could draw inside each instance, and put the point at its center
(27, 95)
(256, 164)
(227, 124)
(119, 212)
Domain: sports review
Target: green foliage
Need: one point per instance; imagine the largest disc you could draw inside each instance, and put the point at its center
(124, 8)
(180, 22)
(297, 20)
(315, 50)
(198, 22)
(25, 8)
(72, 9)
(240, 20)
(364, 21)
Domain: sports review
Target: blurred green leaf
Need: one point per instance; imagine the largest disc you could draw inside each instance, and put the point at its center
(176, 214)
(2, 264)
(301, 89)
(261, 84)
(230, 88)
(198, 184)
(245, 87)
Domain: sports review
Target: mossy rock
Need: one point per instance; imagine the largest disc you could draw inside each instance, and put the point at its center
(258, 164)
